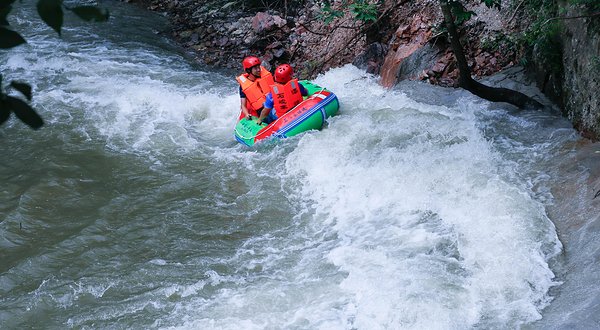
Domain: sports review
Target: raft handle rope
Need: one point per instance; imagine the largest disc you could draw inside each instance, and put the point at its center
(276, 120)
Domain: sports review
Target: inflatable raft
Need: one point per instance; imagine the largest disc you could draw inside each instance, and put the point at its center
(312, 113)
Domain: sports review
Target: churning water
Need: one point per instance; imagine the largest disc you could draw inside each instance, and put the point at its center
(416, 208)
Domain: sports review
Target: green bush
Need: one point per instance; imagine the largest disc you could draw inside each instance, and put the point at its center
(362, 10)
(538, 42)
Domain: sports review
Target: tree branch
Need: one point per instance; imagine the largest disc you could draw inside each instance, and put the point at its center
(516, 10)
(311, 31)
(570, 17)
(465, 80)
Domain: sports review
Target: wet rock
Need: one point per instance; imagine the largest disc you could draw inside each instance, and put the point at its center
(249, 40)
(264, 22)
(223, 41)
(372, 58)
(267, 57)
(419, 61)
(276, 44)
(447, 82)
(408, 39)
(439, 67)
(278, 53)
(185, 34)
(481, 59)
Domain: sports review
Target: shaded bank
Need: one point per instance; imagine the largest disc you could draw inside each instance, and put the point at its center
(576, 204)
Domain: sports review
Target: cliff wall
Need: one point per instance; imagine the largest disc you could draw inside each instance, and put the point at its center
(581, 70)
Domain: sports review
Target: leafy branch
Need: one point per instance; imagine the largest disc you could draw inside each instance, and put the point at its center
(362, 10)
(51, 12)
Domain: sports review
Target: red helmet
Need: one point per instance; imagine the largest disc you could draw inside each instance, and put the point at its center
(250, 61)
(283, 73)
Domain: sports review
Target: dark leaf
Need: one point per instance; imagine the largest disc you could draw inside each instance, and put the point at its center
(6, 3)
(4, 111)
(10, 38)
(4, 11)
(460, 13)
(492, 3)
(91, 13)
(25, 112)
(51, 13)
(24, 88)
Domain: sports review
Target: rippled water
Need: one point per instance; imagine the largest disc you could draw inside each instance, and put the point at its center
(134, 207)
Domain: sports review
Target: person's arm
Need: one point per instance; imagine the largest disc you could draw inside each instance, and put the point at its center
(243, 104)
(267, 106)
(263, 114)
(244, 109)
(303, 90)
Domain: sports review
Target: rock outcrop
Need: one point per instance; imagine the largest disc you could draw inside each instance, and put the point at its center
(581, 81)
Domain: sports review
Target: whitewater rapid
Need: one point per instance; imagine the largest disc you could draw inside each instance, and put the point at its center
(417, 207)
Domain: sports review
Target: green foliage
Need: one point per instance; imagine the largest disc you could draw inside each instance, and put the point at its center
(308, 68)
(591, 5)
(51, 12)
(460, 13)
(500, 43)
(493, 4)
(439, 28)
(539, 42)
(362, 10)
(328, 14)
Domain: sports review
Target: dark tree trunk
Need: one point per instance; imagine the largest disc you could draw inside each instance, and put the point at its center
(465, 80)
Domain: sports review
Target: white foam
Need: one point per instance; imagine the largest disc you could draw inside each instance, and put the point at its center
(137, 100)
(427, 223)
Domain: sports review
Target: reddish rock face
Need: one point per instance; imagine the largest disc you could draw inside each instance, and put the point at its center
(407, 40)
(264, 22)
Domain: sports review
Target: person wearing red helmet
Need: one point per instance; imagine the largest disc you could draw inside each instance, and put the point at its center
(284, 95)
(254, 85)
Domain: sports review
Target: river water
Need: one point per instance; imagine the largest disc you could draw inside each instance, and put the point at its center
(416, 208)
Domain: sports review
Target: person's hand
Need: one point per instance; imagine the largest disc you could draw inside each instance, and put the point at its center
(259, 121)
(246, 114)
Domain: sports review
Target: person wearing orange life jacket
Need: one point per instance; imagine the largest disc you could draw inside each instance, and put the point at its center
(285, 94)
(254, 85)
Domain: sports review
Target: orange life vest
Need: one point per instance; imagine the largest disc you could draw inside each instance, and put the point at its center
(286, 96)
(255, 90)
